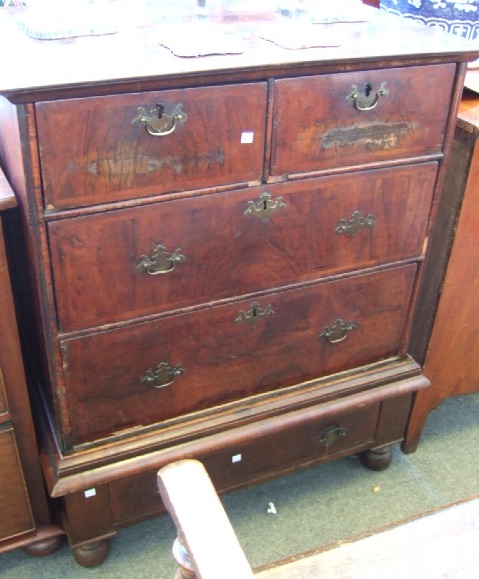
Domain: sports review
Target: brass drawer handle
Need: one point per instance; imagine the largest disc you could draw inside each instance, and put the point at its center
(162, 375)
(160, 261)
(254, 314)
(338, 332)
(355, 224)
(367, 100)
(264, 206)
(330, 434)
(157, 122)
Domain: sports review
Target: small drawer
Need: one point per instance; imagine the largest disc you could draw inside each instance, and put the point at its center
(230, 468)
(355, 118)
(107, 149)
(226, 244)
(163, 369)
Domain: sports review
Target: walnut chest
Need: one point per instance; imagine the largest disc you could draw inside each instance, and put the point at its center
(225, 252)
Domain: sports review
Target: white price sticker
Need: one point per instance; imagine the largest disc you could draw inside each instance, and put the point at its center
(247, 138)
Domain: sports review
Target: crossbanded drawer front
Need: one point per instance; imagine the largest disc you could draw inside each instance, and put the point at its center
(310, 442)
(229, 468)
(348, 119)
(109, 268)
(166, 368)
(106, 149)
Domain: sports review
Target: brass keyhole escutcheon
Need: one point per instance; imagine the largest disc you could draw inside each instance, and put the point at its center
(368, 99)
(254, 314)
(264, 207)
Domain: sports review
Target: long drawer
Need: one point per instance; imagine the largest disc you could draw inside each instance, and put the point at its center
(106, 149)
(140, 261)
(152, 372)
(313, 441)
(353, 118)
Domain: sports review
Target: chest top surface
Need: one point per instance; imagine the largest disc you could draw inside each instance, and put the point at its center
(235, 41)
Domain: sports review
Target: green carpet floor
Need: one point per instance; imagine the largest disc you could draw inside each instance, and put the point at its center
(316, 507)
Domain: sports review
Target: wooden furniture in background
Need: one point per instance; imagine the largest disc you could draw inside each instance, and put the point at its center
(226, 253)
(452, 360)
(25, 519)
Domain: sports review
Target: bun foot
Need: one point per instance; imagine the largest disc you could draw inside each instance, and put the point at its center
(377, 458)
(45, 546)
(91, 554)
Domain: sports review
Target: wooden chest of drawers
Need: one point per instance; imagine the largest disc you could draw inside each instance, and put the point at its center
(226, 253)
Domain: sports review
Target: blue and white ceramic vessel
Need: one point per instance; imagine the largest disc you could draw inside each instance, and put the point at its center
(460, 17)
